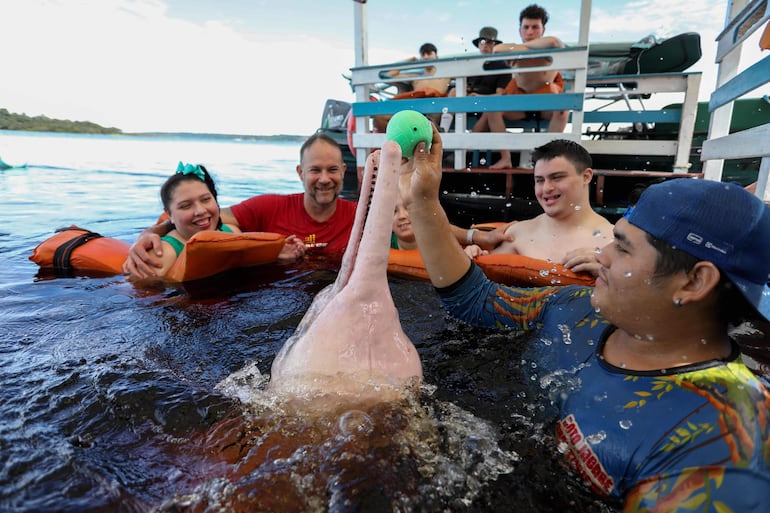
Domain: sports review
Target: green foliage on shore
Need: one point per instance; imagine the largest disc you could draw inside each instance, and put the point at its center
(11, 121)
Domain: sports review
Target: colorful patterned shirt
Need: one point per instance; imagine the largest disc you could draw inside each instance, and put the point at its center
(691, 438)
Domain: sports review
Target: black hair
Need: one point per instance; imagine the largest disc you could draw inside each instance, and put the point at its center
(428, 48)
(570, 150)
(732, 307)
(534, 12)
(173, 181)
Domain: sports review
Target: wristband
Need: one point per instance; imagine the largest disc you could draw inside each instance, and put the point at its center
(469, 235)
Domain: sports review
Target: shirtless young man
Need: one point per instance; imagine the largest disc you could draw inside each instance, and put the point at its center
(428, 52)
(425, 87)
(569, 231)
(532, 22)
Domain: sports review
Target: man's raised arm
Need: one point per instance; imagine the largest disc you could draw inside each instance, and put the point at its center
(419, 181)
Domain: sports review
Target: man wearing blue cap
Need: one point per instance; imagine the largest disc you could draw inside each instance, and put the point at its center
(652, 404)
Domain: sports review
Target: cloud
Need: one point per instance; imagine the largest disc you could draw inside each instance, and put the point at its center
(127, 64)
(131, 64)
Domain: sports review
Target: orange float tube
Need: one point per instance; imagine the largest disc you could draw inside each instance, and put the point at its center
(77, 249)
(407, 263)
(211, 252)
(516, 270)
(524, 271)
(205, 254)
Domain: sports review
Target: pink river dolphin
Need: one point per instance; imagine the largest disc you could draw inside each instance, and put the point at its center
(350, 342)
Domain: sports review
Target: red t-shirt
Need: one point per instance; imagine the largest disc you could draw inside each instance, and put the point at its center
(285, 214)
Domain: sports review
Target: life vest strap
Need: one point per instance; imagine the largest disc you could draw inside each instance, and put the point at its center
(63, 254)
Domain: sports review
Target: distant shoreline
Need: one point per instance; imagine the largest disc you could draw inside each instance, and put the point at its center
(282, 137)
(23, 123)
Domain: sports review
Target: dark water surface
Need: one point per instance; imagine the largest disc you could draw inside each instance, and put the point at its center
(120, 398)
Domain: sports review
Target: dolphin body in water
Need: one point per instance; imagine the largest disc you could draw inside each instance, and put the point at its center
(350, 342)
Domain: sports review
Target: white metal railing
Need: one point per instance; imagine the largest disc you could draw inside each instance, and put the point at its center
(364, 77)
(572, 62)
(743, 18)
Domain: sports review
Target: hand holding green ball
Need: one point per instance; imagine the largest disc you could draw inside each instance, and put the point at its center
(408, 128)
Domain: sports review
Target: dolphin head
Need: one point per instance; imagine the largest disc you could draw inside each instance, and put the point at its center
(350, 342)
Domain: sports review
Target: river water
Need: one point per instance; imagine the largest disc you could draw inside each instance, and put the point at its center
(115, 397)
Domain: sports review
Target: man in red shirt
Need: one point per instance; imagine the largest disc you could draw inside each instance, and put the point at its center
(317, 218)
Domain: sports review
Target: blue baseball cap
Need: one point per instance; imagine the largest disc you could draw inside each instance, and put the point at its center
(714, 221)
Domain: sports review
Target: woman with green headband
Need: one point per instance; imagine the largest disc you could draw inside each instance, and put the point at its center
(189, 199)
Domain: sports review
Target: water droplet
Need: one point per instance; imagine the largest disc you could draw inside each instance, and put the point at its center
(703, 341)
(578, 207)
(596, 438)
(482, 162)
(628, 274)
(650, 337)
(474, 194)
(355, 422)
(625, 424)
(543, 272)
(598, 251)
(444, 110)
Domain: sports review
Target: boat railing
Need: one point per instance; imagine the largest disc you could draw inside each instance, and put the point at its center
(580, 90)
(743, 19)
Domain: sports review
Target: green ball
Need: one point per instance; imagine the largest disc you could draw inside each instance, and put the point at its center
(408, 128)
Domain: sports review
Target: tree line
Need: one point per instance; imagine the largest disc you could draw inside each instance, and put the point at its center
(12, 121)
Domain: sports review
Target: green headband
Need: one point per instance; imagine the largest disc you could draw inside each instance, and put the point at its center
(189, 169)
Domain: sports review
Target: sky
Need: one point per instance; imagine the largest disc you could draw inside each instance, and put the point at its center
(261, 67)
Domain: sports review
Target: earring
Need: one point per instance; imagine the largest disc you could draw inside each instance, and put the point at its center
(678, 302)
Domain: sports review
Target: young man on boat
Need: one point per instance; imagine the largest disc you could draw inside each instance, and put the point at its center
(425, 87)
(317, 219)
(569, 230)
(532, 20)
(646, 393)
